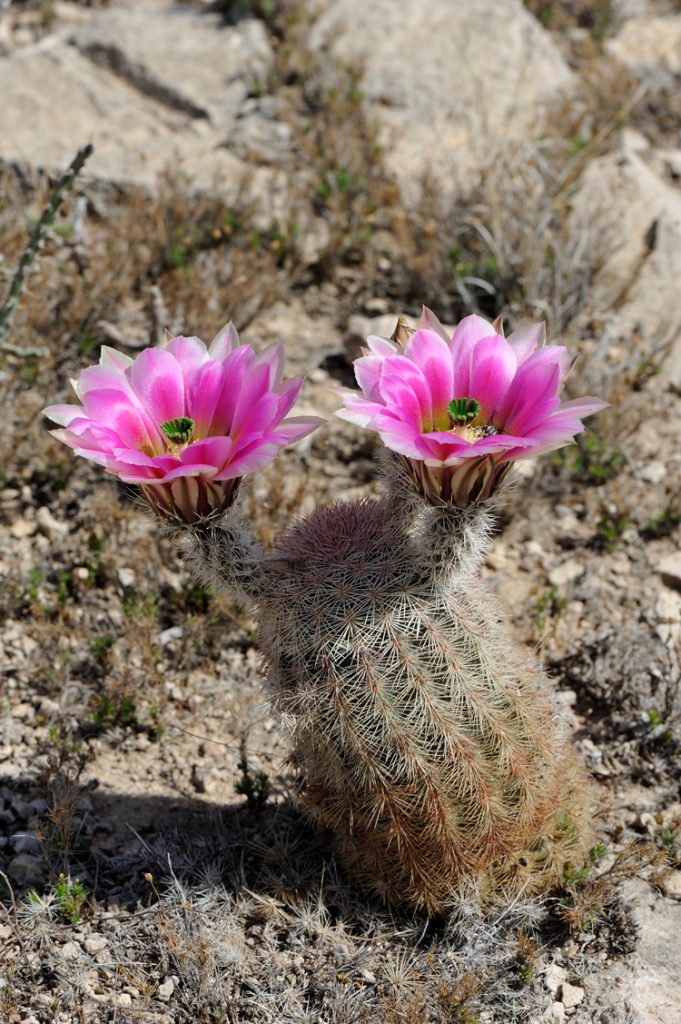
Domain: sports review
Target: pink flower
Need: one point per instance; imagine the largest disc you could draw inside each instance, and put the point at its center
(460, 410)
(184, 422)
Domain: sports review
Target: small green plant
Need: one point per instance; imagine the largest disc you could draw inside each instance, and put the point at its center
(654, 718)
(611, 526)
(594, 462)
(548, 607)
(101, 645)
(110, 711)
(70, 897)
(662, 525)
(142, 605)
(254, 785)
(597, 852)
(34, 580)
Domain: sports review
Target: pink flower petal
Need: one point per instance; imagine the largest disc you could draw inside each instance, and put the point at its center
(117, 360)
(189, 352)
(433, 357)
(63, 414)
(273, 356)
(287, 393)
(535, 382)
(492, 368)
(382, 346)
(466, 337)
(157, 379)
(526, 340)
(213, 451)
(224, 342)
(123, 418)
(368, 374)
(404, 387)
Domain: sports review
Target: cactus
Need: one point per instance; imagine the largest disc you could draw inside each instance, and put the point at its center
(430, 746)
(429, 741)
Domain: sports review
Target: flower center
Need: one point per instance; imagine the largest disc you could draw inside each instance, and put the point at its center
(464, 419)
(178, 432)
(463, 411)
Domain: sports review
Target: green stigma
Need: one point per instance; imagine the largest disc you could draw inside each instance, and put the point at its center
(180, 430)
(463, 411)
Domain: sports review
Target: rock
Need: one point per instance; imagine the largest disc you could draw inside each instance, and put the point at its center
(70, 951)
(26, 869)
(646, 983)
(571, 995)
(23, 528)
(150, 86)
(650, 47)
(25, 842)
(124, 1000)
(172, 633)
(566, 572)
(126, 577)
(93, 943)
(50, 526)
(654, 472)
(671, 886)
(554, 978)
(445, 79)
(669, 569)
(165, 990)
(629, 219)
(668, 615)
(553, 1014)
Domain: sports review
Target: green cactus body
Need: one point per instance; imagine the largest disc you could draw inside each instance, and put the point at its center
(429, 742)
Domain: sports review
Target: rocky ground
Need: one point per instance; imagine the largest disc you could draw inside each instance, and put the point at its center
(311, 172)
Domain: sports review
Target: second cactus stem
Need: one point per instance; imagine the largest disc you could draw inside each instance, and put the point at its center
(430, 744)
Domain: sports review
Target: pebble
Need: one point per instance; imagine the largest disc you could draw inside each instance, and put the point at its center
(554, 1014)
(70, 951)
(22, 711)
(52, 528)
(23, 528)
(669, 569)
(566, 572)
(124, 1000)
(126, 577)
(25, 869)
(93, 943)
(671, 886)
(554, 977)
(654, 472)
(24, 842)
(668, 612)
(172, 633)
(165, 990)
(571, 995)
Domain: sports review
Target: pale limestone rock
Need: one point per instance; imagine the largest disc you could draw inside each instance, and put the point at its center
(646, 983)
(152, 87)
(669, 569)
(70, 951)
(671, 886)
(566, 572)
(554, 978)
(571, 995)
(649, 46)
(628, 219)
(450, 83)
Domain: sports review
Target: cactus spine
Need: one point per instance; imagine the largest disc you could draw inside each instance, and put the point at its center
(430, 745)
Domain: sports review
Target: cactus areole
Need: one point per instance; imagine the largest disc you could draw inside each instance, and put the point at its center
(429, 739)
